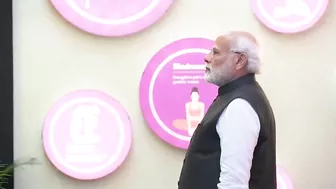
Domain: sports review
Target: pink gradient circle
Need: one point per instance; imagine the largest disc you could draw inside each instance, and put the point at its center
(87, 134)
(162, 102)
(279, 15)
(283, 179)
(112, 17)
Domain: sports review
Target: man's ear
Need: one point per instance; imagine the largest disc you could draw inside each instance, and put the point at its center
(241, 61)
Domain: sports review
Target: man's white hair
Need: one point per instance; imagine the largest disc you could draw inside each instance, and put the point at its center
(245, 45)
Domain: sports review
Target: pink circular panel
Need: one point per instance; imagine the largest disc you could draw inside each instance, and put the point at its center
(87, 135)
(289, 16)
(283, 180)
(112, 17)
(173, 93)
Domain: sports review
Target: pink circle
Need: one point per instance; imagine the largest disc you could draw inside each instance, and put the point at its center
(173, 86)
(283, 180)
(87, 135)
(289, 16)
(112, 17)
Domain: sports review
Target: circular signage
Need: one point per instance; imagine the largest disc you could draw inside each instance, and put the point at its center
(112, 17)
(289, 16)
(87, 135)
(173, 93)
(283, 180)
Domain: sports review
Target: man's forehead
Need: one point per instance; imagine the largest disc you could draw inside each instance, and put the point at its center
(244, 34)
(222, 42)
(234, 35)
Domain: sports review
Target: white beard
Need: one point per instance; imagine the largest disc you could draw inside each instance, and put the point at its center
(219, 76)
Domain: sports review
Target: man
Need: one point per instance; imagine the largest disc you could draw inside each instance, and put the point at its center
(234, 145)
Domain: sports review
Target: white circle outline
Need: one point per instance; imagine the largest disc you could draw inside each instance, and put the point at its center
(126, 20)
(288, 25)
(56, 117)
(151, 89)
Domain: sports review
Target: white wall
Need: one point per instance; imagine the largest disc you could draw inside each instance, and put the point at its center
(52, 58)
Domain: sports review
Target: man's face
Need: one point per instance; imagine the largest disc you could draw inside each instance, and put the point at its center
(219, 63)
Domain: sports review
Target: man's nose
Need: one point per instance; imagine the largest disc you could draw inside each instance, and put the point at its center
(207, 59)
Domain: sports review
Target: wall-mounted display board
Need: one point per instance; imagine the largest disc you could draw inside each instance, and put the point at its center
(289, 16)
(87, 134)
(173, 93)
(284, 181)
(112, 17)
